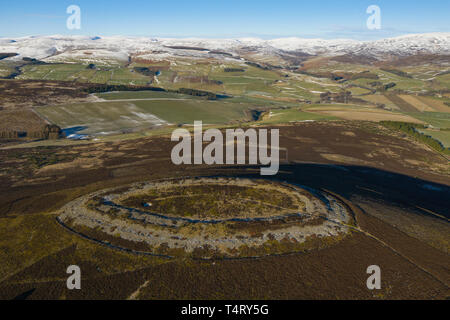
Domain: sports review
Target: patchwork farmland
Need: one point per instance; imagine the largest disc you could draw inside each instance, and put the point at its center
(87, 177)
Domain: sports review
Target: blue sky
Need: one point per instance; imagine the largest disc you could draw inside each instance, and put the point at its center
(226, 18)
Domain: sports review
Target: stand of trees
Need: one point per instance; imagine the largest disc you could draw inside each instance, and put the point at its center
(192, 92)
(340, 97)
(51, 132)
(4, 55)
(146, 71)
(118, 87)
(399, 73)
(411, 129)
(198, 93)
(233, 70)
(386, 87)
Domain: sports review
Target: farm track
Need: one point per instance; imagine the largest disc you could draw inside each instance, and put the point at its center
(356, 210)
(437, 278)
(46, 120)
(144, 99)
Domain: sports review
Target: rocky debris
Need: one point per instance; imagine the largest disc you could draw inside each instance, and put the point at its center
(322, 216)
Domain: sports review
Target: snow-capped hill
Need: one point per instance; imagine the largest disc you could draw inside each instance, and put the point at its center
(434, 43)
(312, 46)
(119, 47)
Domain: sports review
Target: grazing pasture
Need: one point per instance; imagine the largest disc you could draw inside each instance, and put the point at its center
(131, 115)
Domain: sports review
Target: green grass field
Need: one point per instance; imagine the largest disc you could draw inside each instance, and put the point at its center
(6, 68)
(334, 106)
(293, 115)
(190, 74)
(80, 73)
(117, 116)
(436, 119)
(187, 111)
(442, 136)
(62, 72)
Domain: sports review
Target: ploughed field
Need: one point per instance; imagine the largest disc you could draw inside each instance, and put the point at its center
(393, 192)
